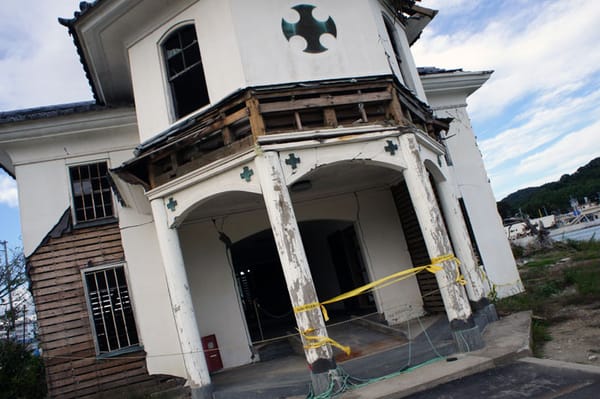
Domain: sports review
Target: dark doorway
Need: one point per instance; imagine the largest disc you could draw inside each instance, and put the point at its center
(336, 264)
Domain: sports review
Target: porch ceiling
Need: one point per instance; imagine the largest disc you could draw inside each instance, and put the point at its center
(345, 177)
(325, 181)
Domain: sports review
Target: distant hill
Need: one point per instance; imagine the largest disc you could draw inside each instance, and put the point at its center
(555, 196)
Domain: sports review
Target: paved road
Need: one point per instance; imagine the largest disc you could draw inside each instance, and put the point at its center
(521, 380)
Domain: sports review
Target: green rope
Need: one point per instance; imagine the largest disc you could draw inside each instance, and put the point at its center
(344, 382)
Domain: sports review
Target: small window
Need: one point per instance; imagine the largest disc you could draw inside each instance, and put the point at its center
(111, 311)
(184, 71)
(92, 196)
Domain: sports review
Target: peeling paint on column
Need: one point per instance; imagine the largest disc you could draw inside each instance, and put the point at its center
(462, 242)
(291, 251)
(434, 232)
(181, 300)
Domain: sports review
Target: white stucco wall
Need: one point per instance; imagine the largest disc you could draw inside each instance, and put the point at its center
(242, 44)
(473, 184)
(269, 58)
(216, 301)
(148, 286)
(387, 253)
(406, 71)
(220, 59)
(44, 193)
(41, 168)
(36, 181)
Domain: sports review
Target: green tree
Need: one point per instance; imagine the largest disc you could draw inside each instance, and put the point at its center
(21, 373)
(14, 295)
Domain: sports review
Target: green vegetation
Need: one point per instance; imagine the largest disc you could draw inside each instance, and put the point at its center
(565, 274)
(555, 196)
(21, 373)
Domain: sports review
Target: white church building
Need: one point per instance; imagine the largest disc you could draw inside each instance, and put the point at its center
(242, 154)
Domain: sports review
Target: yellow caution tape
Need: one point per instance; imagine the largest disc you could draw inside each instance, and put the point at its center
(460, 279)
(381, 283)
(311, 306)
(317, 341)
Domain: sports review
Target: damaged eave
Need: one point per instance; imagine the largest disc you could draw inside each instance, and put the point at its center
(417, 22)
(126, 172)
(6, 164)
(459, 81)
(414, 17)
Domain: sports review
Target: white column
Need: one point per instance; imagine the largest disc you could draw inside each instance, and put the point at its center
(433, 229)
(181, 299)
(461, 242)
(293, 258)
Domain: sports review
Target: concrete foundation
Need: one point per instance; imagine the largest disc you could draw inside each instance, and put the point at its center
(321, 381)
(485, 316)
(205, 392)
(468, 340)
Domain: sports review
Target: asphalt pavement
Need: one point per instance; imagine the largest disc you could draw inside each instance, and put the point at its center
(524, 378)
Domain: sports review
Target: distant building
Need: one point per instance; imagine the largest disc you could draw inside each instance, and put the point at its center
(244, 156)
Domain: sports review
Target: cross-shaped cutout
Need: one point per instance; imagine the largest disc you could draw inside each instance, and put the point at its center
(247, 174)
(391, 147)
(293, 160)
(172, 204)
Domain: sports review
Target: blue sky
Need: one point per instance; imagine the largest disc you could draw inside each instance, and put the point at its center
(537, 118)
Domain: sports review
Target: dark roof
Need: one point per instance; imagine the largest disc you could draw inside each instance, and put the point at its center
(84, 8)
(50, 111)
(429, 70)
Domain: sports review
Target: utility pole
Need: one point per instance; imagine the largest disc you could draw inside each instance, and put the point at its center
(8, 288)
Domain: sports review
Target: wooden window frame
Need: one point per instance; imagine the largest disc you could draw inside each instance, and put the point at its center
(119, 320)
(192, 70)
(103, 208)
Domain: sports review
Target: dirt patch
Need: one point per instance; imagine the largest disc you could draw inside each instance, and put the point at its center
(576, 338)
(562, 288)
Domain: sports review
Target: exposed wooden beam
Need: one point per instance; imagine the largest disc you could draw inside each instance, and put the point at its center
(326, 101)
(257, 123)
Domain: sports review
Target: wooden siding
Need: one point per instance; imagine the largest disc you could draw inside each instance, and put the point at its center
(65, 332)
(432, 299)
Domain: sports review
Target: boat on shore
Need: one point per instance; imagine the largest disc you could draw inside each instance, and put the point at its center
(525, 231)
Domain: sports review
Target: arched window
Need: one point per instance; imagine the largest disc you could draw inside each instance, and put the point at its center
(184, 71)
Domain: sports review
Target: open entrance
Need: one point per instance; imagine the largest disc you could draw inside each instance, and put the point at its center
(336, 265)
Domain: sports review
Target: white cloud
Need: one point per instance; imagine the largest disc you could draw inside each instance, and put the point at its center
(539, 126)
(451, 6)
(8, 191)
(539, 111)
(532, 48)
(39, 64)
(572, 151)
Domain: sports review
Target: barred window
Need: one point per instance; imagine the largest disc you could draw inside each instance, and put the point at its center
(92, 197)
(110, 309)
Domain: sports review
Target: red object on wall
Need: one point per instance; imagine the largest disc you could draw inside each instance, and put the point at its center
(212, 354)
